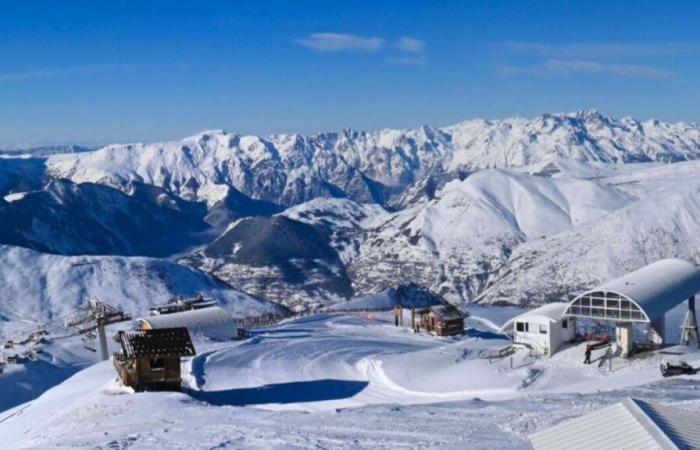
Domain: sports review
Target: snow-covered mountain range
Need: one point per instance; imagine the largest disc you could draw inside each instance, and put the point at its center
(371, 167)
(515, 210)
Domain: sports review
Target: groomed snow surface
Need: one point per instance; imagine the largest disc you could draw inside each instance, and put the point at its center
(346, 381)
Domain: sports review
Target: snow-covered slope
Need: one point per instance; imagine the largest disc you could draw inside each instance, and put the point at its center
(344, 382)
(370, 167)
(344, 221)
(664, 223)
(454, 242)
(523, 235)
(37, 288)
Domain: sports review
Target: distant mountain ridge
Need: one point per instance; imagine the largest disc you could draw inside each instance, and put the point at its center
(46, 150)
(374, 167)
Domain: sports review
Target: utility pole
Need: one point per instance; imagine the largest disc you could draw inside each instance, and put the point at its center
(96, 316)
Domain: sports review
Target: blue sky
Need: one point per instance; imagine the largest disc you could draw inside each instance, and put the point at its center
(149, 70)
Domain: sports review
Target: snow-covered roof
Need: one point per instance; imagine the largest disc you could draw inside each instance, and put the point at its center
(551, 311)
(213, 322)
(655, 288)
(447, 312)
(630, 424)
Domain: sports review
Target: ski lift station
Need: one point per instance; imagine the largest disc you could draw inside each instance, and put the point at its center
(642, 297)
(213, 322)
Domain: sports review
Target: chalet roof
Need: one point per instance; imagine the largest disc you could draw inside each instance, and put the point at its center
(631, 423)
(447, 312)
(156, 343)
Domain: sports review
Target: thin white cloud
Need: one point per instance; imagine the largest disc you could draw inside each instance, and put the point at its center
(564, 67)
(340, 42)
(597, 50)
(407, 60)
(63, 71)
(411, 45)
(512, 71)
(593, 67)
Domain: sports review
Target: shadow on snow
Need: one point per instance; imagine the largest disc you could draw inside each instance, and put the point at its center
(293, 392)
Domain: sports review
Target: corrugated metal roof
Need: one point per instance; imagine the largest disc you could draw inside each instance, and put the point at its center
(658, 287)
(681, 426)
(552, 311)
(213, 322)
(631, 424)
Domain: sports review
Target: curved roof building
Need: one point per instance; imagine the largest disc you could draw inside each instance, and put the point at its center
(644, 295)
(214, 322)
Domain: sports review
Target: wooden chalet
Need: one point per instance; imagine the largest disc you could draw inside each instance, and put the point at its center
(150, 359)
(443, 320)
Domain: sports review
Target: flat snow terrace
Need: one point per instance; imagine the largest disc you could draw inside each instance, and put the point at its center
(345, 381)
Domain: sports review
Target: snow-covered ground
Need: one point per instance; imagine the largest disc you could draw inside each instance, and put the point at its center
(345, 381)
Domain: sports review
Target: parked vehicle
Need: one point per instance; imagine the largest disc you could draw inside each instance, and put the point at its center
(681, 368)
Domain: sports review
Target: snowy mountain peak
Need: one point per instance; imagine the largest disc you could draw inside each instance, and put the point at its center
(590, 114)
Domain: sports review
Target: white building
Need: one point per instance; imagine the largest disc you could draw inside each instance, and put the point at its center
(544, 329)
(214, 322)
(640, 297)
(630, 424)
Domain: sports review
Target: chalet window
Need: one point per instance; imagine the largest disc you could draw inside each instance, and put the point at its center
(156, 364)
(565, 323)
(522, 327)
(543, 329)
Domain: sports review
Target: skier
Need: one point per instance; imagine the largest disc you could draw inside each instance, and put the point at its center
(588, 355)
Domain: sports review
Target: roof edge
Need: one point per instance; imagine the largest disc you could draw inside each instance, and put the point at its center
(634, 406)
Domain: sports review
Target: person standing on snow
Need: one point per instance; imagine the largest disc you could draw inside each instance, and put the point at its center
(588, 355)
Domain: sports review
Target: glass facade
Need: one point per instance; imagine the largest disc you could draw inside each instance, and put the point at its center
(606, 305)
